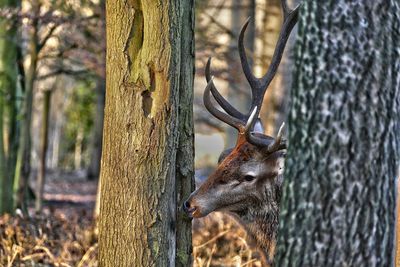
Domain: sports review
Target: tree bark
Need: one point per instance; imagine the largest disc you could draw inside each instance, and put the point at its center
(23, 164)
(97, 137)
(271, 22)
(338, 205)
(96, 142)
(239, 91)
(147, 159)
(185, 150)
(41, 178)
(8, 107)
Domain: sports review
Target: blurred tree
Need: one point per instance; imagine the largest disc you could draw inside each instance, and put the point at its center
(42, 21)
(8, 107)
(239, 91)
(80, 113)
(97, 132)
(270, 24)
(43, 151)
(147, 160)
(338, 205)
(23, 166)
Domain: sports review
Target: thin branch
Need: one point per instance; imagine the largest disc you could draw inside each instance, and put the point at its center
(47, 37)
(63, 71)
(225, 29)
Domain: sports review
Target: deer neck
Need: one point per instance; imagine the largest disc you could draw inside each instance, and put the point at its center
(261, 222)
(263, 232)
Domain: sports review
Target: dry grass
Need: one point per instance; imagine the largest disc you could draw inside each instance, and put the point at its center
(50, 240)
(218, 241)
(55, 240)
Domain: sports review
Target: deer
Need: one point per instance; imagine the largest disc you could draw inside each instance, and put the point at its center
(247, 181)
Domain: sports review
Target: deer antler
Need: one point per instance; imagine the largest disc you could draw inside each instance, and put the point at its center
(245, 123)
(227, 118)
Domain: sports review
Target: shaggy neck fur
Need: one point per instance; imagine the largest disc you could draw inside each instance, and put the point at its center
(261, 222)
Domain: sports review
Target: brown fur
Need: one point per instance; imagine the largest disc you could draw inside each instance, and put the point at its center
(254, 204)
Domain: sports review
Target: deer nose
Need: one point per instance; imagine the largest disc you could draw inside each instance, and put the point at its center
(187, 207)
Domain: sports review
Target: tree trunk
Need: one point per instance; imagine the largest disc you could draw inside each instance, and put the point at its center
(271, 22)
(185, 149)
(338, 205)
(23, 167)
(238, 88)
(8, 107)
(78, 149)
(41, 178)
(96, 142)
(147, 156)
(397, 254)
(97, 137)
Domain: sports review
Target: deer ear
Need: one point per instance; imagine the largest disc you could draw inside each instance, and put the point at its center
(280, 162)
(223, 155)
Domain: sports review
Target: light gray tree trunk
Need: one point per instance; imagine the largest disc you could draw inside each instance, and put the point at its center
(23, 164)
(238, 88)
(44, 137)
(338, 205)
(147, 159)
(270, 25)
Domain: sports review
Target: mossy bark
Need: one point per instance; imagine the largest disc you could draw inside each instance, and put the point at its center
(23, 164)
(147, 159)
(338, 199)
(8, 107)
(97, 135)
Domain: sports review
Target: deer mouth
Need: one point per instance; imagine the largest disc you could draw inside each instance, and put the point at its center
(194, 213)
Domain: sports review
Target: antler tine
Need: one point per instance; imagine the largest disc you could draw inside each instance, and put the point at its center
(290, 19)
(250, 125)
(285, 9)
(260, 85)
(220, 99)
(278, 144)
(253, 81)
(232, 121)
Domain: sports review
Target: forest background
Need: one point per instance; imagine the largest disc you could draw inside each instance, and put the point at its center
(52, 100)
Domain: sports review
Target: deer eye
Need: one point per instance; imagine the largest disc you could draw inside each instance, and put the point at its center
(223, 182)
(249, 178)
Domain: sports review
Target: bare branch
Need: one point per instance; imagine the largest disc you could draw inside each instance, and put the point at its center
(64, 72)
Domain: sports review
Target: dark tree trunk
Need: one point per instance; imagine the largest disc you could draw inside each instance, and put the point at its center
(338, 205)
(185, 150)
(97, 137)
(41, 178)
(23, 164)
(8, 107)
(96, 142)
(147, 159)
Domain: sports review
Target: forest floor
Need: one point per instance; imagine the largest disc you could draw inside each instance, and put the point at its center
(65, 233)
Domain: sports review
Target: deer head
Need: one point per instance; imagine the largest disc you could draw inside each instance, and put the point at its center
(247, 181)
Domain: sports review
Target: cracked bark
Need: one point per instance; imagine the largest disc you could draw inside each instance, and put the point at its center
(338, 205)
(147, 161)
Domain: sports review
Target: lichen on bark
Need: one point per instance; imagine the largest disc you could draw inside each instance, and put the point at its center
(338, 205)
